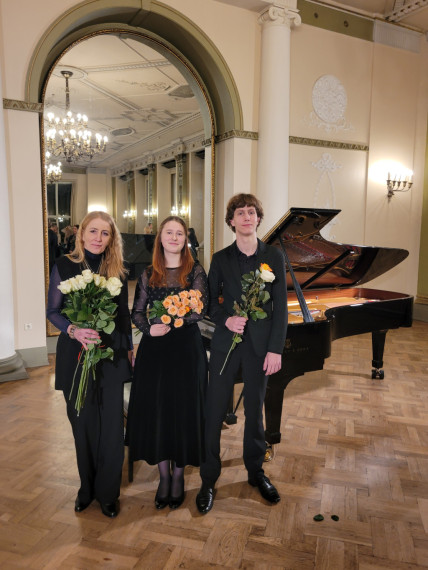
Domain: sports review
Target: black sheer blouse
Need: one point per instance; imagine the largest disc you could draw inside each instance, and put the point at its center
(146, 295)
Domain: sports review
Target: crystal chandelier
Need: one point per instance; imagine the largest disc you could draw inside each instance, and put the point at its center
(69, 137)
(53, 172)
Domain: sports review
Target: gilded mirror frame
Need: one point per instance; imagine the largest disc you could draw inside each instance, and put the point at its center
(207, 112)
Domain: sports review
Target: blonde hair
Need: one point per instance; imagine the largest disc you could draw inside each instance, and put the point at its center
(112, 264)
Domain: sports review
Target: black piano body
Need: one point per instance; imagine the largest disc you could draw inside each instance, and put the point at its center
(137, 252)
(332, 305)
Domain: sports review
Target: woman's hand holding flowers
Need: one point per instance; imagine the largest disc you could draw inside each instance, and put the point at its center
(86, 336)
(159, 329)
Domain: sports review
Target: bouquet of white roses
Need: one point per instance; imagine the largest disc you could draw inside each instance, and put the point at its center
(253, 296)
(89, 304)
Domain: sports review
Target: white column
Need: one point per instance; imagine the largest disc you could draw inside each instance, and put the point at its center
(272, 171)
(11, 366)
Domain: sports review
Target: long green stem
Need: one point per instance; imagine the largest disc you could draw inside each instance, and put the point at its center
(236, 336)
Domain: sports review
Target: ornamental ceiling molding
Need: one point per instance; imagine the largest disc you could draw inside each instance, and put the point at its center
(235, 134)
(328, 144)
(22, 106)
(169, 153)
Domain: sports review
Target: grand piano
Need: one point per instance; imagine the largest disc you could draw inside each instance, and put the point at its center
(325, 302)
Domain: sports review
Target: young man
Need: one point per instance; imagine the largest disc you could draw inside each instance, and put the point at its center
(259, 354)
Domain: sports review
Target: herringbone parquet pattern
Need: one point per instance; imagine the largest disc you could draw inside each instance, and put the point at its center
(352, 447)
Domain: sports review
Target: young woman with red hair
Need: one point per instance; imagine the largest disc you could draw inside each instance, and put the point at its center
(165, 416)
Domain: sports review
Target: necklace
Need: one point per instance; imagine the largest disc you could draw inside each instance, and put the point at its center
(87, 266)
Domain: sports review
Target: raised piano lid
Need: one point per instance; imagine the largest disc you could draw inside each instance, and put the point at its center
(331, 264)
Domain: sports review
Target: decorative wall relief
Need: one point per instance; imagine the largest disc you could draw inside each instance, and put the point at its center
(325, 194)
(329, 102)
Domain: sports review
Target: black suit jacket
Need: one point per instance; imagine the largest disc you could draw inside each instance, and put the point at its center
(224, 278)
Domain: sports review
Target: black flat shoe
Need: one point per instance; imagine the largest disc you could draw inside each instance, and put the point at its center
(161, 502)
(205, 499)
(80, 506)
(267, 490)
(175, 502)
(110, 509)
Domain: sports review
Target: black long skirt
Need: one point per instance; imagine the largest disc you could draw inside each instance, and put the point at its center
(166, 405)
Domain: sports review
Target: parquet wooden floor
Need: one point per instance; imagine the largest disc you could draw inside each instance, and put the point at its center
(352, 447)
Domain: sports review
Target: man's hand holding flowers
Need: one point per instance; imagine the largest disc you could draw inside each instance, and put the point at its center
(252, 298)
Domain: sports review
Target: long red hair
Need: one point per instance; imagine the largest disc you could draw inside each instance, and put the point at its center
(158, 267)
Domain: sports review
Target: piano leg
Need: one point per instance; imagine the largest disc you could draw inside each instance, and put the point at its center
(378, 346)
(273, 406)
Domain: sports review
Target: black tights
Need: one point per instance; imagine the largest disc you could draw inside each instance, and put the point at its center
(170, 484)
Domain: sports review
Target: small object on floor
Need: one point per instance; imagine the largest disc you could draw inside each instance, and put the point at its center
(335, 517)
(318, 518)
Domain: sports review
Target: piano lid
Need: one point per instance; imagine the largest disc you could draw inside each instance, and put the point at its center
(319, 263)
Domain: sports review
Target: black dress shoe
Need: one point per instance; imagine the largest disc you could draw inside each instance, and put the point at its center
(175, 502)
(161, 502)
(267, 490)
(80, 506)
(205, 499)
(110, 509)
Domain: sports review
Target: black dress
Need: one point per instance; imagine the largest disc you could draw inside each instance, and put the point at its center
(98, 430)
(166, 406)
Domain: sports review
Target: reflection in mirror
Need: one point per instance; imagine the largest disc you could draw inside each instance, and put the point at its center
(129, 124)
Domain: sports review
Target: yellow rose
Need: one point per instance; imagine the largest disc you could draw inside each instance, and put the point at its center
(97, 279)
(65, 287)
(88, 276)
(103, 281)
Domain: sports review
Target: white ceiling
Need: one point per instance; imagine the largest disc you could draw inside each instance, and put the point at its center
(130, 93)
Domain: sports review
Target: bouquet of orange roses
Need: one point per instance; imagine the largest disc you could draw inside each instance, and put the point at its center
(174, 307)
(253, 297)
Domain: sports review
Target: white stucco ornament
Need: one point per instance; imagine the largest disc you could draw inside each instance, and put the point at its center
(329, 102)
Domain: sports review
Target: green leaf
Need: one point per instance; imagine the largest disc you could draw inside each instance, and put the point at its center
(82, 315)
(238, 340)
(101, 324)
(109, 328)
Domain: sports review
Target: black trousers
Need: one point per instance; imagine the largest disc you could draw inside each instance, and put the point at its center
(220, 389)
(98, 437)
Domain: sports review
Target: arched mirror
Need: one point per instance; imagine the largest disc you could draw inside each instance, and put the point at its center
(132, 130)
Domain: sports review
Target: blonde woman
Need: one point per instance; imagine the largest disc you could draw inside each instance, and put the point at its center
(98, 428)
(165, 417)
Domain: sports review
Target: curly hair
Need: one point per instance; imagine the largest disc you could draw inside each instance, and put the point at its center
(112, 264)
(240, 201)
(158, 267)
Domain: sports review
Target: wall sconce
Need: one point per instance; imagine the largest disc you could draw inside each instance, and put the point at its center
(130, 214)
(398, 184)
